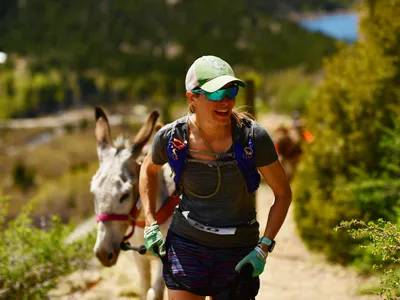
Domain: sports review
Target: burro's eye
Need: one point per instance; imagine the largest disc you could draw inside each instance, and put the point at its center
(124, 197)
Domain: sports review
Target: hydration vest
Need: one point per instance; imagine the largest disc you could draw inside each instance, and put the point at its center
(177, 152)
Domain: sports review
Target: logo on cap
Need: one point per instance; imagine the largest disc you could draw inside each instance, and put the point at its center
(219, 65)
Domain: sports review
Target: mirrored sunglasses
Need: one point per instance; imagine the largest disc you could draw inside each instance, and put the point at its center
(230, 92)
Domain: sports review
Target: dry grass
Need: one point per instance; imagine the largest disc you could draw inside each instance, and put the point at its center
(16, 138)
(62, 169)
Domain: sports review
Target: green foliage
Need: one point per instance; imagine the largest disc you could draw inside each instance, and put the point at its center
(343, 174)
(384, 240)
(383, 25)
(144, 37)
(23, 176)
(138, 50)
(299, 6)
(313, 5)
(289, 90)
(23, 93)
(31, 259)
(7, 92)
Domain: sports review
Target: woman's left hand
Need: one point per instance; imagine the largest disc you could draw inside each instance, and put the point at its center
(256, 258)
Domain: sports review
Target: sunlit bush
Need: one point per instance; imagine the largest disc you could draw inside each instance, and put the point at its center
(384, 241)
(32, 259)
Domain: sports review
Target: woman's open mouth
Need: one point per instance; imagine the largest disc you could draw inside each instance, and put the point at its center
(222, 112)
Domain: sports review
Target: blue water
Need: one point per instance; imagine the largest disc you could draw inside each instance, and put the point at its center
(339, 26)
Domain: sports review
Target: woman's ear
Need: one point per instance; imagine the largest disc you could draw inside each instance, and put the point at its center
(190, 97)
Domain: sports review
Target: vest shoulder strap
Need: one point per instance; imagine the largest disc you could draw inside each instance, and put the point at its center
(177, 151)
(244, 148)
(245, 152)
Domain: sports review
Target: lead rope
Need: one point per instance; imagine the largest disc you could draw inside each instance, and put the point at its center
(210, 149)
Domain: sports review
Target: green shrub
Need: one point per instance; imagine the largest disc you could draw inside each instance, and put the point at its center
(343, 173)
(384, 241)
(381, 239)
(347, 122)
(23, 176)
(31, 259)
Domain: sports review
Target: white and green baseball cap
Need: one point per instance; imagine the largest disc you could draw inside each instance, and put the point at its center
(210, 73)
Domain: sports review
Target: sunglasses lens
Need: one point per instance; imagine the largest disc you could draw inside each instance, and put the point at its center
(216, 96)
(220, 94)
(232, 92)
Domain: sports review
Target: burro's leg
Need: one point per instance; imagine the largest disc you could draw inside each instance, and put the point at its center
(144, 269)
(157, 290)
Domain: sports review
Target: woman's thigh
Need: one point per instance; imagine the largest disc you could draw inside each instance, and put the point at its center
(183, 295)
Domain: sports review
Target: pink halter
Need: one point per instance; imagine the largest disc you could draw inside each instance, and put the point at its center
(162, 214)
(130, 217)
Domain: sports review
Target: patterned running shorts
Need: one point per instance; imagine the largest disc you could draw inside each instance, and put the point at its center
(202, 268)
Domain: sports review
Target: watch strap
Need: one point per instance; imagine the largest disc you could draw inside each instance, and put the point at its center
(266, 241)
(269, 244)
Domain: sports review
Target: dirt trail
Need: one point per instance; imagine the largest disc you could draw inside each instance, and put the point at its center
(292, 272)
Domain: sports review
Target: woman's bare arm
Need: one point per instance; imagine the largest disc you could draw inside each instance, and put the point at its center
(148, 187)
(276, 178)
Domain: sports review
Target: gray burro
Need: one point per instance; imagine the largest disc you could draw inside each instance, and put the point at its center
(292, 272)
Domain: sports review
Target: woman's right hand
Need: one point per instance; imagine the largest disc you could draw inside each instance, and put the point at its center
(154, 240)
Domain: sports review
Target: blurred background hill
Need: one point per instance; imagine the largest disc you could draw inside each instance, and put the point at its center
(65, 54)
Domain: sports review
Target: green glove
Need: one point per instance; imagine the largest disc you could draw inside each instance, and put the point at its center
(154, 238)
(256, 258)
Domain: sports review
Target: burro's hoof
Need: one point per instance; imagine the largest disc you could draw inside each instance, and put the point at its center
(152, 295)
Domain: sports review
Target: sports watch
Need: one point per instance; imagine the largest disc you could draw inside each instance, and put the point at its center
(270, 243)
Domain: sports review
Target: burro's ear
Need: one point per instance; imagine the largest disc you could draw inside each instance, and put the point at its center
(102, 130)
(102, 133)
(144, 133)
